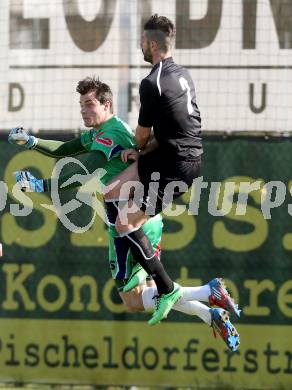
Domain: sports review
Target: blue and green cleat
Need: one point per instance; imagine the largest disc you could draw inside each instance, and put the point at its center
(220, 297)
(221, 324)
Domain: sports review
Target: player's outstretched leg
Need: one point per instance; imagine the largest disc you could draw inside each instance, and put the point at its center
(165, 303)
(138, 275)
(221, 324)
(220, 297)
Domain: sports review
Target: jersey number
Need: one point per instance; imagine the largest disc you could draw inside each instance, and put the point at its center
(185, 86)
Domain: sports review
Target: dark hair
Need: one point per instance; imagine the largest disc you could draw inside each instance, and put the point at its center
(103, 92)
(161, 30)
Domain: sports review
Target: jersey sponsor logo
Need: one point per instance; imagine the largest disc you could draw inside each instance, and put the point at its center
(103, 141)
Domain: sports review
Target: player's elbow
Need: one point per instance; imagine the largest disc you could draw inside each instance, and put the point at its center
(141, 142)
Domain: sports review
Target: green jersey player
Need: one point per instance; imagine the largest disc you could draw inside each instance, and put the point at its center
(102, 144)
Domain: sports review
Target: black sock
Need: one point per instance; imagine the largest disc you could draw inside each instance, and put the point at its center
(144, 254)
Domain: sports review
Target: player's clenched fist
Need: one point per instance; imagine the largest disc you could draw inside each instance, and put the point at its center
(129, 154)
(20, 137)
(28, 183)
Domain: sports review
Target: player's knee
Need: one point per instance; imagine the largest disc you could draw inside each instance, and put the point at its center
(132, 301)
(123, 228)
(132, 307)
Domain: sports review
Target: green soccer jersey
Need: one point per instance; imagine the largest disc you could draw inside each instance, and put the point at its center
(111, 138)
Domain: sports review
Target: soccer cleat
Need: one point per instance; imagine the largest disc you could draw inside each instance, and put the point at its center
(221, 324)
(220, 297)
(137, 276)
(165, 303)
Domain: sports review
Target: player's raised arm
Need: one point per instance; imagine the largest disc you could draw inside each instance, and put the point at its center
(51, 148)
(19, 136)
(28, 183)
(59, 149)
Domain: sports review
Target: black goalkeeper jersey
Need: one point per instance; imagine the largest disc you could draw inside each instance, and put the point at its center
(168, 104)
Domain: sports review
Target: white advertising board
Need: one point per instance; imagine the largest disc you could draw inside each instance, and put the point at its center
(239, 53)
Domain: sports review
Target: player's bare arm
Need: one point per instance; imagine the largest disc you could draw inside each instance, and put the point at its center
(142, 136)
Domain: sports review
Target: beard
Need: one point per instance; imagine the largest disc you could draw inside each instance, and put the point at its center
(147, 55)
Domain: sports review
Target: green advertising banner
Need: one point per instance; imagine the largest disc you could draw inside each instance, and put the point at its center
(63, 322)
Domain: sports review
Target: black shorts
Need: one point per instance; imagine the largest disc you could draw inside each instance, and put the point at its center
(165, 179)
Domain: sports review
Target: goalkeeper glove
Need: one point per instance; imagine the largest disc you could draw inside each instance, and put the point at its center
(28, 183)
(20, 137)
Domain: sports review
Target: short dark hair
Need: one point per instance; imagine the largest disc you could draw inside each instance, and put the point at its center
(160, 29)
(103, 92)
